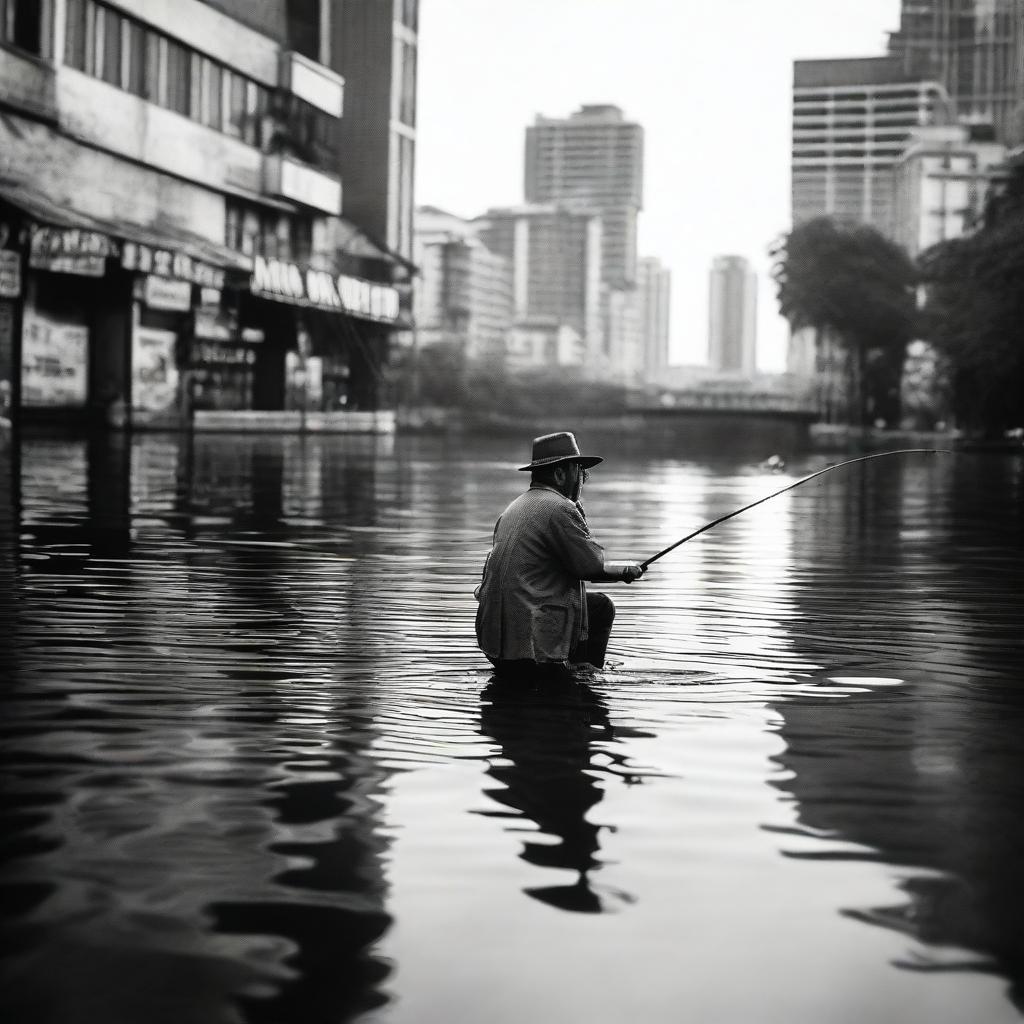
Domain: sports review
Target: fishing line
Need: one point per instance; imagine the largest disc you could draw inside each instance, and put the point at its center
(789, 487)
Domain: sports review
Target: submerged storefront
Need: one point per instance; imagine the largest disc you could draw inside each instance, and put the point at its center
(309, 354)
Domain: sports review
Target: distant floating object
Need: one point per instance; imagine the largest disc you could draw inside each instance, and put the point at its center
(774, 463)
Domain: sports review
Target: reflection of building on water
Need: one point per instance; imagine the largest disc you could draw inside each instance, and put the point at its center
(925, 775)
(547, 739)
(251, 821)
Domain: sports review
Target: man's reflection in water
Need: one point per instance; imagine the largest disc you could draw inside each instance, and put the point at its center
(547, 737)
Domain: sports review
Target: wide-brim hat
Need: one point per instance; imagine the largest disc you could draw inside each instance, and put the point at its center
(551, 449)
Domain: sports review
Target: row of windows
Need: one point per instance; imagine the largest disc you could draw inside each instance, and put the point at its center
(130, 55)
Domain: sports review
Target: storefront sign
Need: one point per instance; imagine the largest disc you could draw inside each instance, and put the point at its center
(154, 372)
(53, 362)
(10, 274)
(285, 282)
(167, 294)
(147, 259)
(70, 251)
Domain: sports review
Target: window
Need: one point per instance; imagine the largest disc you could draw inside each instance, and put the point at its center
(407, 95)
(108, 43)
(74, 34)
(409, 10)
(135, 58)
(234, 104)
(256, 231)
(21, 24)
(176, 76)
(304, 27)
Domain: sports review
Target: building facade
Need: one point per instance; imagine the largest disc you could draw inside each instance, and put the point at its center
(654, 283)
(594, 158)
(463, 295)
(555, 255)
(732, 316)
(939, 185)
(851, 122)
(171, 215)
(975, 48)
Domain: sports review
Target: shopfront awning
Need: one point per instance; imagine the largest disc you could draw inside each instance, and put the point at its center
(69, 240)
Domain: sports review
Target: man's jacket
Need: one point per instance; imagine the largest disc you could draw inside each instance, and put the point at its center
(532, 598)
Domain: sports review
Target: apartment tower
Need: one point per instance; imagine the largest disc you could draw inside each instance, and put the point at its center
(593, 158)
(732, 316)
(655, 286)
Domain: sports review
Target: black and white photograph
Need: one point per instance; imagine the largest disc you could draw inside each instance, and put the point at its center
(511, 512)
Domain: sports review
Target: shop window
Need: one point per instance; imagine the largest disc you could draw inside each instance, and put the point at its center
(21, 25)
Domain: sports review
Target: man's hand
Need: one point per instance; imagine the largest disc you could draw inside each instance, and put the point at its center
(632, 571)
(625, 571)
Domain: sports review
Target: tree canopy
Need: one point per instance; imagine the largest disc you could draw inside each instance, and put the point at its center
(850, 279)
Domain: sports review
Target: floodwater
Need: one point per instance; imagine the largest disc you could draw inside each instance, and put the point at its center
(253, 768)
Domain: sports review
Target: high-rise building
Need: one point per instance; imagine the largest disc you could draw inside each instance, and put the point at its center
(732, 316)
(655, 287)
(851, 121)
(940, 183)
(975, 48)
(556, 263)
(593, 158)
(376, 45)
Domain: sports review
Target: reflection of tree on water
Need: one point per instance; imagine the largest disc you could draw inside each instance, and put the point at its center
(546, 771)
(927, 775)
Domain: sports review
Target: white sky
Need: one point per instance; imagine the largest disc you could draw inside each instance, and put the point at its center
(710, 81)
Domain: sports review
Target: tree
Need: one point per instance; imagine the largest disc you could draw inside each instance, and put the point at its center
(974, 311)
(850, 281)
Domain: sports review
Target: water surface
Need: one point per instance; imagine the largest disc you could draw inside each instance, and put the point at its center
(254, 769)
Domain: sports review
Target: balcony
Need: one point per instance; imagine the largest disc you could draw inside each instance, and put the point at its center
(287, 178)
(318, 86)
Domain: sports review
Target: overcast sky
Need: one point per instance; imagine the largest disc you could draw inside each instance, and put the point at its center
(710, 81)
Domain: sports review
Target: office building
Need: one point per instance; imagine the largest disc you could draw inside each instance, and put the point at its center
(463, 294)
(732, 316)
(975, 48)
(555, 254)
(655, 291)
(593, 158)
(939, 184)
(851, 122)
(172, 245)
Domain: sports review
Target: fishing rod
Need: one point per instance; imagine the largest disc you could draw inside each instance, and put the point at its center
(789, 487)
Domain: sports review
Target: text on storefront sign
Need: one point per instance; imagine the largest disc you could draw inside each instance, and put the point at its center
(286, 282)
(164, 263)
(70, 251)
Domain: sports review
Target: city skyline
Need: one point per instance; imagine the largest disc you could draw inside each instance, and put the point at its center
(681, 85)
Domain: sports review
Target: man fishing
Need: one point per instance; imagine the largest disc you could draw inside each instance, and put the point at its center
(535, 617)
